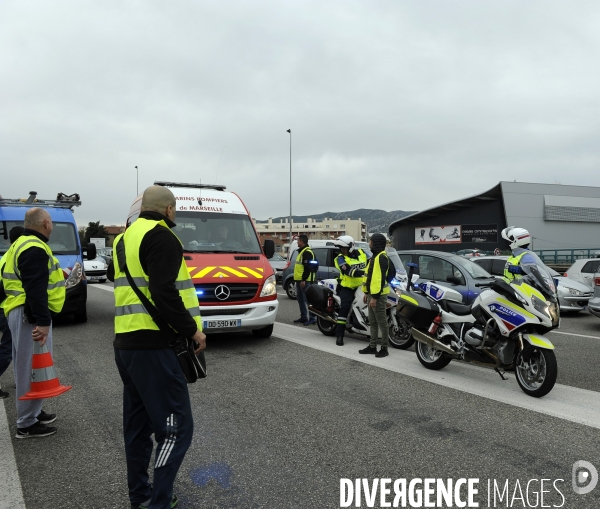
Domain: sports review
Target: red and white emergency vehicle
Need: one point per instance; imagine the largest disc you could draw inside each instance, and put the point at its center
(234, 280)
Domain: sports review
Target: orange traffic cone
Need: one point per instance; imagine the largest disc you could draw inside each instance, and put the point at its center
(44, 382)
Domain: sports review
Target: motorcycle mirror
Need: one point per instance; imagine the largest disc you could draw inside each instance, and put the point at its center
(411, 269)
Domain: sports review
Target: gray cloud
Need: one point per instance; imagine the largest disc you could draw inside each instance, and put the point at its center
(393, 105)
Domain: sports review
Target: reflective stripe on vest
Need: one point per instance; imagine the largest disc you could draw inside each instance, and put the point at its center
(11, 279)
(130, 314)
(378, 283)
(361, 263)
(299, 267)
(513, 260)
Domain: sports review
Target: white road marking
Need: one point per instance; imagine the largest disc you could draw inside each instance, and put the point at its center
(569, 403)
(572, 334)
(11, 495)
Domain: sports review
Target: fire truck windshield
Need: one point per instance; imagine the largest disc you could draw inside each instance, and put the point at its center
(213, 232)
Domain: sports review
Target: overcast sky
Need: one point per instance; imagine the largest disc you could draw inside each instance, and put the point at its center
(392, 104)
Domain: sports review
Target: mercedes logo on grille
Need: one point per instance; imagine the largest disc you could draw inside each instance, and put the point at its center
(222, 292)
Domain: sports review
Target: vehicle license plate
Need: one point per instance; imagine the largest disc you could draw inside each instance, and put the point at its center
(218, 324)
(94, 278)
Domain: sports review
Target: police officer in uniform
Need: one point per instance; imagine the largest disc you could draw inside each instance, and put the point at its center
(155, 392)
(351, 263)
(519, 240)
(304, 276)
(35, 287)
(376, 290)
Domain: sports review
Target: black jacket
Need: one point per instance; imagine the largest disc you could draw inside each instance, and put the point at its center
(160, 256)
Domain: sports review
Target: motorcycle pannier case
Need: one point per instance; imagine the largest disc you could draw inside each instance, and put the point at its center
(317, 295)
(417, 310)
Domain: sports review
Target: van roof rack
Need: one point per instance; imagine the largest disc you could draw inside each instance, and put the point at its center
(184, 184)
(63, 201)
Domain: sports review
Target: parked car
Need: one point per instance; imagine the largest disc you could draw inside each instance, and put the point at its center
(594, 303)
(583, 270)
(447, 269)
(106, 253)
(278, 263)
(95, 270)
(469, 253)
(572, 295)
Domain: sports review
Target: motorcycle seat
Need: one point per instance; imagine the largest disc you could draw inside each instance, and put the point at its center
(458, 309)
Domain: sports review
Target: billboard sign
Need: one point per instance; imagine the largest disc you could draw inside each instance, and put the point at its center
(478, 233)
(438, 235)
(99, 242)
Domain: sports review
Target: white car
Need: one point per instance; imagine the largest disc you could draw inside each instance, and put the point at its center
(573, 295)
(594, 304)
(95, 270)
(583, 270)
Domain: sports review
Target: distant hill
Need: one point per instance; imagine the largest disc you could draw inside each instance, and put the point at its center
(377, 220)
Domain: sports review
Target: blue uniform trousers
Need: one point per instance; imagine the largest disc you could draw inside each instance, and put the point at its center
(346, 298)
(301, 298)
(155, 400)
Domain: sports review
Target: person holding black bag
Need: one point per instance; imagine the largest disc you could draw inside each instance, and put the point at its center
(153, 284)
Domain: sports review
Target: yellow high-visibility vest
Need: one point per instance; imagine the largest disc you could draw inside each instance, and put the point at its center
(361, 263)
(513, 260)
(299, 268)
(130, 314)
(13, 286)
(378, 283)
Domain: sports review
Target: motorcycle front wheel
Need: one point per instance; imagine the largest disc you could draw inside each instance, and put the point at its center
(399, 333)
(432, 358)
(325, 326)
(537, 376)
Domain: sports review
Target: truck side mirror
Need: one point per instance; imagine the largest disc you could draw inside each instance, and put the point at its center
(269, 248)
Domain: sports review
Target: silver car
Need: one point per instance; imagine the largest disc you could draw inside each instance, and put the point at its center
(573, 296)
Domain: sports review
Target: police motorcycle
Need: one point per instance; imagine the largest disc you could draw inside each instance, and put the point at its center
(506, 322)
(324, 302)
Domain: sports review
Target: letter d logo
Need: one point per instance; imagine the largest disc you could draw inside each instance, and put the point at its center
(585, 477)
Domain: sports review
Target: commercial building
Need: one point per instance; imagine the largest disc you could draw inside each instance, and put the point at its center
(326, 229)
(557, 216)
(113, 231)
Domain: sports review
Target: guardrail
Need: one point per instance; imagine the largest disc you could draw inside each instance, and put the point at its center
(566, 256)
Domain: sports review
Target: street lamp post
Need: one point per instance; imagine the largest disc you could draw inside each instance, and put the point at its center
(290, 239)
(137, 181)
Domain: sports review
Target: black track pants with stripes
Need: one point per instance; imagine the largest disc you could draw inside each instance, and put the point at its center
(155, 400)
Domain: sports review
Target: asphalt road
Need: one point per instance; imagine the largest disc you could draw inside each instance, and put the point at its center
(278, 424)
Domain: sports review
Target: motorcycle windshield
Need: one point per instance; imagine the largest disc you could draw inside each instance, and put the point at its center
(538, 275)
(401, 276)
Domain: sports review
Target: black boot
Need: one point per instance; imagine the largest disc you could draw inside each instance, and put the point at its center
(339, 341)
(383, 352)
(368, 349)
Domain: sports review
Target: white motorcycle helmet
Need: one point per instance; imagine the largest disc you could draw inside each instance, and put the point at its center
(345, 241)
(518, 237)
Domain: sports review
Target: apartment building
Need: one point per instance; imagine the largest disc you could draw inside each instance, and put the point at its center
(326, 229)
